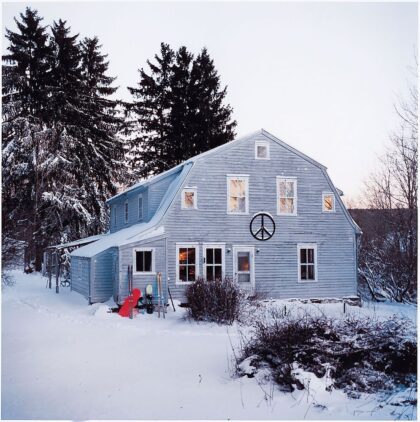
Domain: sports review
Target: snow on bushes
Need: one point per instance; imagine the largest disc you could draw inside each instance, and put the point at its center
(218, 301)
(357, 354)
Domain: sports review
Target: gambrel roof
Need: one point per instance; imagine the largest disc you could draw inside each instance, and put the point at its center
(141, 231)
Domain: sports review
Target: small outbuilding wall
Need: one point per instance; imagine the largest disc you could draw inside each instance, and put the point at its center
(80, 275)
(103, 273)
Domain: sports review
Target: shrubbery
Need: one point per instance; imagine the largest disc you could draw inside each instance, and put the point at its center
(218, 301)
(360, 355)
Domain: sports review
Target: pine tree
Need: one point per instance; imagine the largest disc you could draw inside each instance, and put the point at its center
(24, 100)
(61, 150)
(179, 111)
(151, 146)
(85, 151)
(211, 121)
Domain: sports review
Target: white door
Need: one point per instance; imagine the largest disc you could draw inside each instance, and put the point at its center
(213, 261)
(243, 267)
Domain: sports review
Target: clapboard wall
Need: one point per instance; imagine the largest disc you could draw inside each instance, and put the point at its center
(276, 263)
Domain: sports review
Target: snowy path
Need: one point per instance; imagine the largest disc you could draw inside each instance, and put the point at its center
(63, 359)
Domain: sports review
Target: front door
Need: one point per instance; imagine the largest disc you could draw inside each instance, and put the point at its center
(243, 267)
(214, 261)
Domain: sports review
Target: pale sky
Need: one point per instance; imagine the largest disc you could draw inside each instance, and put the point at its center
(323, 77)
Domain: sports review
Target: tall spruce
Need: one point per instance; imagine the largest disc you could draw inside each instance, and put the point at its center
(151, 149)
(24, 107)
(178, 111)
(61, 149)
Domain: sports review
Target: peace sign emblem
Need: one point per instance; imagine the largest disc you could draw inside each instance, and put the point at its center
(262, 226)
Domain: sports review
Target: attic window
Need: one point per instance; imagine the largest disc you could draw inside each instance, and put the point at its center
(189, 198)
(328, 202)
(262, 150)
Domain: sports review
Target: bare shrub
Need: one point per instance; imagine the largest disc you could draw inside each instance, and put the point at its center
(218, 301)
(364, 355)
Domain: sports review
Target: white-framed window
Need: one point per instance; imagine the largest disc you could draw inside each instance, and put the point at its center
(262, 150)
(328, 202)
(187, 263)
(286, 195)
(189, 198)
(144, 261)
(237, 194)
(213, 261)
(126, 211)
(307, 262)
(140, 204)
(114, 208)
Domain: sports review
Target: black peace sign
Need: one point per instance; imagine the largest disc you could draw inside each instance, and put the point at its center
(262, 226)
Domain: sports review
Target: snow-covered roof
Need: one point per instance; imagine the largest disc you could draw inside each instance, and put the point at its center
(78, 242)
(141, 231)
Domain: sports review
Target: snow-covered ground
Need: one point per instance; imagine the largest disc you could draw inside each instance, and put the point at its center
(63, 359)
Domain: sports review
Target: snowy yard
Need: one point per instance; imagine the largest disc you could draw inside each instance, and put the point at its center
(63, 359)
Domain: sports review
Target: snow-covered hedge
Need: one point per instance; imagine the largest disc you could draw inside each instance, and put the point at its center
(358, 354)
(218, 301)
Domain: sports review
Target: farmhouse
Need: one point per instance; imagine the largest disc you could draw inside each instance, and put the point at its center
(254, 209)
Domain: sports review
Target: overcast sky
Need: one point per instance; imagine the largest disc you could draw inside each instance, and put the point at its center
(323, 77)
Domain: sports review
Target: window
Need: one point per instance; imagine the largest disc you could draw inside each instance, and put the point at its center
(307, 262)
(144, 260)
(286, 196)
(214, 261)
(126, 212)
(115, 214)
(189, 198)
(140, 207)
(237, 194)
(262, 150)
(328, 202)
(186, 262)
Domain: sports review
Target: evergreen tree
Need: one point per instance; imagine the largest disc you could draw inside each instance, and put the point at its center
(61, 150)
(86, 151)
(24, 101)
(178, 111)
(151, 146)
(211, 120)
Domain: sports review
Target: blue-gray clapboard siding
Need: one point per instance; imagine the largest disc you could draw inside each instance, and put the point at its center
(276, 264)
(103, 270)
(133, 210)
(80, 275)
(276, 260)
(152, 197)
(140, 281)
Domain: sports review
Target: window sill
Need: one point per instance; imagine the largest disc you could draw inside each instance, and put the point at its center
(307, 281)
(144, 272)
(183, 283)
(286, 214)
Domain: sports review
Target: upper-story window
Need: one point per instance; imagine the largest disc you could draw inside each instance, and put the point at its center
(140, 203)
(328, 202)
(262, 150)
(237, 194)
(189, 198)
(286, 195)
(114, 208)
(126, 212)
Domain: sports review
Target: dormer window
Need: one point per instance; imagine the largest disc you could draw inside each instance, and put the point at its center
(189, 198)
(262, 150)
(140, 203)
(328, 202)
(126, 212)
